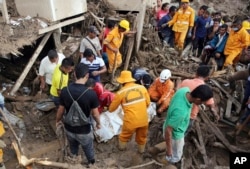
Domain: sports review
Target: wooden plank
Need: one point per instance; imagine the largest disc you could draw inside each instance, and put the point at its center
(30, 64)
(140, 23)
(229, 107)
(5, 12)
(236, 102)
(57, 40)
(61, 24)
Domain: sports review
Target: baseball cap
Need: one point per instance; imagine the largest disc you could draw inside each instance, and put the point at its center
(93, 29)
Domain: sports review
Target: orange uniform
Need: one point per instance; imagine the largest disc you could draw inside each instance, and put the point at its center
(2, 131)
(162, 93)
(134, 100)
(236, 42)
(182, 20)
(114, 38)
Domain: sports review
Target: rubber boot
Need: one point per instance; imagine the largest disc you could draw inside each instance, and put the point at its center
(141, 148)
(122, 145)
(158, 148)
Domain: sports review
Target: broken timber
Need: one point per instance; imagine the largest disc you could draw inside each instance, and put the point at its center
(29, 65)
(5, 12)
(236, 102)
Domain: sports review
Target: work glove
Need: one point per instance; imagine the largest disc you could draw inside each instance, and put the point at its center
(2, 144)
(59, 129)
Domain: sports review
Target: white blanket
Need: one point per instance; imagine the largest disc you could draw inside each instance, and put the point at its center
(111, 123)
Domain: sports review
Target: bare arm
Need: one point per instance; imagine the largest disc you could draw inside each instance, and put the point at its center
(96, 116)
(42, 80)
(168, 139)
(59, 113)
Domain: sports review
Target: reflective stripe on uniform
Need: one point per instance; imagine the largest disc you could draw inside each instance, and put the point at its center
(133, 102)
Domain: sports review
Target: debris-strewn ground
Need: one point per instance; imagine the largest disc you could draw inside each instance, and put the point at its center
(210, 147)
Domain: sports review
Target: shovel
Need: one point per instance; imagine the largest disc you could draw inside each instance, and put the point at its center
(113, 72)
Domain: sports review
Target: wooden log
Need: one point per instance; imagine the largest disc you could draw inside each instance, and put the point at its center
(29, 65)
(243, 125)
(202, 146)
(131, 43)
(60, 24)
(219, 134)
(236, 102)
(229, 107)
(57, 40)
(5, 12)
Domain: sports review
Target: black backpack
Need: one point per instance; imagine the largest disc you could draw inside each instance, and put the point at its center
(76, 116)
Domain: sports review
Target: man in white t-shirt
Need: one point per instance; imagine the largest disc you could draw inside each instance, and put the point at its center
(96, 65)
(92, 42)
(47, 68)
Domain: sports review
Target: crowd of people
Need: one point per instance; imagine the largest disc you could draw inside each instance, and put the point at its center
(212, 37)
(177, 104)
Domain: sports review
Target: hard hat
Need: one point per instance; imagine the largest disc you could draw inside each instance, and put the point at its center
(124, 24)
(185, 1)
(165, 75)
(246, 24)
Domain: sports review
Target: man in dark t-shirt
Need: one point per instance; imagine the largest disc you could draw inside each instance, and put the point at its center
(80, 135)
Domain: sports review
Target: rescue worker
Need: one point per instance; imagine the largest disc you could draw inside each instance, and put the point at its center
(113, 42)
(162, 90)
(237, 41)
(134, 100)
(183, 22)
(2, 145)
(246, 25)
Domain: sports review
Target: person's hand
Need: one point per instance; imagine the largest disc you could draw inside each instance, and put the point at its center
(2, 144)
(189, 35)
(42, 86)
(115, 50)
(164, 25)
(95, 73)
(59, 129)
(98, 126)
(217, 55)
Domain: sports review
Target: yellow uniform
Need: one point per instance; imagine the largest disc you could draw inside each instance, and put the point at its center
(2, 131)
(182, 20)
(59, 81)
(246, 25)
(134, 100)
(114, 38)
(236, 42)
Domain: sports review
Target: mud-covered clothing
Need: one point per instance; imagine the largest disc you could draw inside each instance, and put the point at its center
(182, 20)
(134, 100)
(87, 102)
(236, 42)
(192, 84)
(114, 38)
(105, 97)
(161, 93)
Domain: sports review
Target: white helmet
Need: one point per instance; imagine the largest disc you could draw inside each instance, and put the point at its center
(165, 75)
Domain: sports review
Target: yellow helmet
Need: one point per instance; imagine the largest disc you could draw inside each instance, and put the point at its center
(184, 0)
(246, 24)
(124, 24)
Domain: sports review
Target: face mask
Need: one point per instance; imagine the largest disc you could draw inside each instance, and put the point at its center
(235, 29)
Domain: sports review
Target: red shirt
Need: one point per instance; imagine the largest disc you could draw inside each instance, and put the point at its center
(160, 14)
(105, 97)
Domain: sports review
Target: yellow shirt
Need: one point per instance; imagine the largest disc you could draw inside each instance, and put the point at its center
(2, 131)
(183, 19)
(134, 100)
(236, 41)
(59, 81)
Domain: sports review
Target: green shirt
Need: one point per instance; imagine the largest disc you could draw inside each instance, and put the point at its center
(178, 114)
